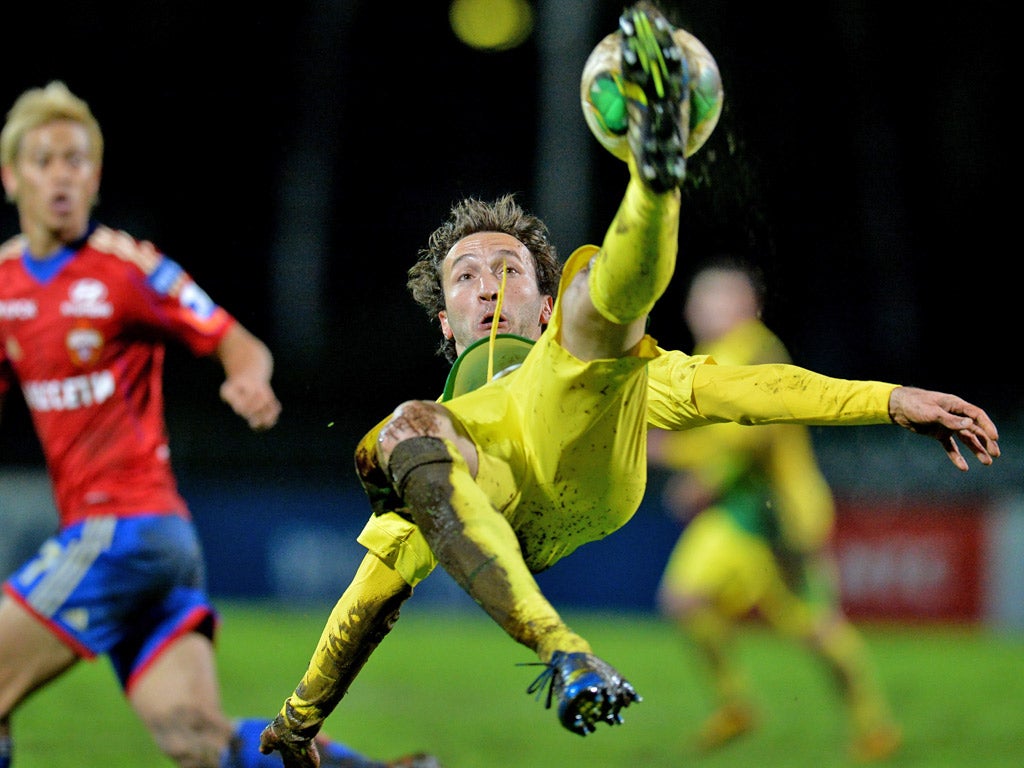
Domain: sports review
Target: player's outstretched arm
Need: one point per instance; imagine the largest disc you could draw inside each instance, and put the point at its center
(248, 366)
(948, 419)
(362, 617)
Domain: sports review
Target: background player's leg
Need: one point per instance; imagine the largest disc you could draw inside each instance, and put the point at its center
(178, 700)
(30, 656)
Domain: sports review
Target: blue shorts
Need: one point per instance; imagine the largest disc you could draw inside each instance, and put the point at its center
(125, 587)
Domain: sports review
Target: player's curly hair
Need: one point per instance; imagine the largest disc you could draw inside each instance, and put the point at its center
(468, 217)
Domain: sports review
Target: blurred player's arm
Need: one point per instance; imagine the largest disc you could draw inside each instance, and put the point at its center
(248, 367)
(705, 463)
(803, 500)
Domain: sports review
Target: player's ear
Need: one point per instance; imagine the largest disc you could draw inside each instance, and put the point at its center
(446, 329)
(10, 181)
(546, 309)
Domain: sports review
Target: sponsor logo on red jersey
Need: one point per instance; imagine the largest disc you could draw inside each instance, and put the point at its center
(87, 298)
(18, 309)
(71, 393)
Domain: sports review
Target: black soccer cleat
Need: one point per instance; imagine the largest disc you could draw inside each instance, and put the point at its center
(656, 81)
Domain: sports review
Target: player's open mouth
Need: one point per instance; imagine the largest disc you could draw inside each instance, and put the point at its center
(61, 204)
(489, 320)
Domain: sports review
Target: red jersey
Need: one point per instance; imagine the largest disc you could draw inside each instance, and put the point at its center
(83, 333)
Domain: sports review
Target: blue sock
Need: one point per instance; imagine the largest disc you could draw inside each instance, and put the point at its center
(335, 753)
(6, 751)
(245, 749)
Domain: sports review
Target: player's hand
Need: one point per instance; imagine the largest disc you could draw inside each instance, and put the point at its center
(296, 751)
(252, 399)
(948, 419)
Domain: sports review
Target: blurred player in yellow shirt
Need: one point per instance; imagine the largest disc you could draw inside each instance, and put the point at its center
(759, 518)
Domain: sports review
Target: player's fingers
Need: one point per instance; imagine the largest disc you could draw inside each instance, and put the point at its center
(985, 433)
(953, 451)
(980, 424)
(265, 415)
(268, 740)
(976, 445)
(258, 406)
(301, 754)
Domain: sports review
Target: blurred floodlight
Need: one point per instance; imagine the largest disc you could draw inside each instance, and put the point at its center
(491, 25)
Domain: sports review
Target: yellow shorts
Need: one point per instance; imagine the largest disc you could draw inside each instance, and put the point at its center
(736, 572)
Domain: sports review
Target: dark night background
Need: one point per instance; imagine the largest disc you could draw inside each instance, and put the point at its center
(294, 159)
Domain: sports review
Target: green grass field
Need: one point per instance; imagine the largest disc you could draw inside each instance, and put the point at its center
(450, 683)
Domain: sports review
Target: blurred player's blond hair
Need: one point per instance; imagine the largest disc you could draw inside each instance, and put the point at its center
(39, 106)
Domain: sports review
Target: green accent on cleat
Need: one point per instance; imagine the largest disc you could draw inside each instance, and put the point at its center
(655, 78)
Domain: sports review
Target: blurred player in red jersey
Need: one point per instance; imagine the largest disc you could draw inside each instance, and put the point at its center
(85, 313)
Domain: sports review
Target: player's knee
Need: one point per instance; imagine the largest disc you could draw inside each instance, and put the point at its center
(414, 418)
(680, 605)
(670, 606)
(418, 422)
(416, 453)
(190, 737)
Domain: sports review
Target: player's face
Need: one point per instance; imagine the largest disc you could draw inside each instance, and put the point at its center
(53, 182)
(471, 278)
(718, 300)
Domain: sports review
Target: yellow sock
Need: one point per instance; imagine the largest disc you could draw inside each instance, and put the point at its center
(711, 633)
(638, 255)
(844, 650)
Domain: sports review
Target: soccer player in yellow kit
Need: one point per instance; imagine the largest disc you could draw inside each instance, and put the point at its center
(502, 481)
(759, 515)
